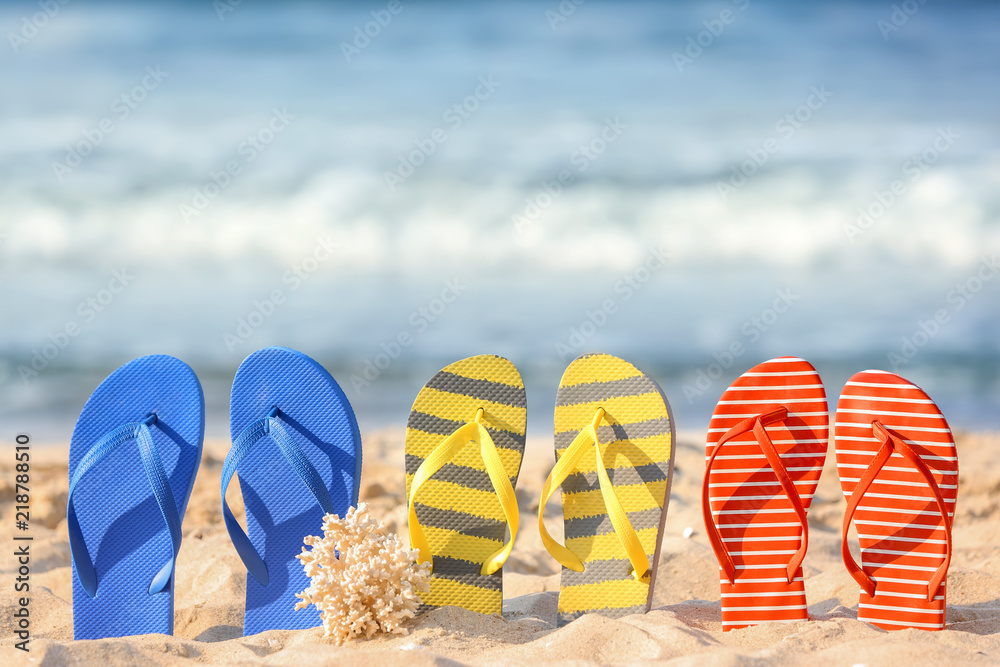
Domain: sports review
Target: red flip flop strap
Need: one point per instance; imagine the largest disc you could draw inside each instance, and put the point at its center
(918, 463)
(891, 442)
(793, 495)
(714, 537)
(855, 570)
(755, 424)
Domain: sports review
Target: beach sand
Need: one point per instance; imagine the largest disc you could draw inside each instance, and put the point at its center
(683, 627)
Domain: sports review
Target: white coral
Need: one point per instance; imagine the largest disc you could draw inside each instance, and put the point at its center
(373, 585)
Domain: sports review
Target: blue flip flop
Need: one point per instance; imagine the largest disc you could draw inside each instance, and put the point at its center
(132, 462)
(297, 451)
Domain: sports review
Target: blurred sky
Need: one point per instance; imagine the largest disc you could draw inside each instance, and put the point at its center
(653, 180)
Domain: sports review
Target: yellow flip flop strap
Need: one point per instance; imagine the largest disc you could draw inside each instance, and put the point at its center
(444, 452)
(619, 519)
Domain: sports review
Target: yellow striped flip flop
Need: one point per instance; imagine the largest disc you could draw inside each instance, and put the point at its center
(614, 494)
(464, 444)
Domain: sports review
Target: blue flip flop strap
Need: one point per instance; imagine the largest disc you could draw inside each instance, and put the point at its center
(152, 464)
(251, 435)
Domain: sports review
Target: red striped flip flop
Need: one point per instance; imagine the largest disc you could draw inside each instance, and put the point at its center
(898, 468)
(766, 447)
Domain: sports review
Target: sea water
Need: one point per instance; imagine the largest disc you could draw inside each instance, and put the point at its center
(389, 187)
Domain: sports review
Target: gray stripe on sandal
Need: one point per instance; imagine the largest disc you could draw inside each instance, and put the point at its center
(590, 526)
(644, 474)
(420, 421)
(601, 391)
(484, 390)
(607, 433)
(597, 571)
(472, 478)
(565, 618)
(466, 572)
(467, 524)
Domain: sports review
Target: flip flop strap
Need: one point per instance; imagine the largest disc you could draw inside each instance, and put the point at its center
(563, 468)
(270, 426)
(755, 424)
(473, 431)
(156, 475)
(890, 443)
